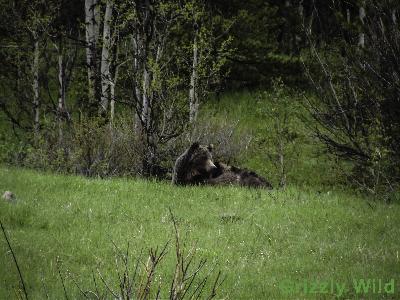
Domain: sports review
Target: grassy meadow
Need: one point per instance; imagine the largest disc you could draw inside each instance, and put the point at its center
(291, 235)
(275, 244)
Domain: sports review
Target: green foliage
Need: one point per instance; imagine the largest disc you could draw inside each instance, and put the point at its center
(292, 234)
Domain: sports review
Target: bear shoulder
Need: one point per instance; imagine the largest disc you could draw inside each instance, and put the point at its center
(181, 165)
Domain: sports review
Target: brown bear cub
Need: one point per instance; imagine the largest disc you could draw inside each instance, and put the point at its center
(195, 166)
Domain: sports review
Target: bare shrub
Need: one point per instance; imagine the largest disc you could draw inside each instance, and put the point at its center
(105, 150)
(141, 280)
(92, 148)
(357, 103)
(229, 142)
(189, 278)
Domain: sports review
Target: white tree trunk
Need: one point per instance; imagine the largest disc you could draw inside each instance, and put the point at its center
(361, 39)
(136, 67)
(146, 99)
(61, 109)
(92, 31)
(310, 23)
(348, 15)
(112, 94)
(301, 12)
(35, 86)
(112, 103)
(394, 18)
(193, 96)
(61, 82)
(106, 81)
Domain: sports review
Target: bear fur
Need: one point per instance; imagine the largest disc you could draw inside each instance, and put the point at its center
(194, 166)
(229, 175)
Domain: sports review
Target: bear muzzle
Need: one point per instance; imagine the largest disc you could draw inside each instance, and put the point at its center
(210, 165)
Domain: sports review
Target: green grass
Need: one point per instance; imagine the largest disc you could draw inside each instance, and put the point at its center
(293, 234)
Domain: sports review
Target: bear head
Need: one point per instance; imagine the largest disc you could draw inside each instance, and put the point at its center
(194, 166)
(200, 164)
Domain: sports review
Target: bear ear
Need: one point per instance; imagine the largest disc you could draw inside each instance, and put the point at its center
(210, 147)
(194, 146)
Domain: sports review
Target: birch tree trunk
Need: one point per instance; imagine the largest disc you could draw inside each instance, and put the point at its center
(35, 85)
(146, 99)
(92, 31)
(361, 39)
(114, 75)
(309, 28)
(145, 39)
(143, 76)
(136, 68)
(193, 95)
(394, 18)
(61, 108)
(106, 81)
(301, 12)
(61, 82)
(348, 15)
(112, 101)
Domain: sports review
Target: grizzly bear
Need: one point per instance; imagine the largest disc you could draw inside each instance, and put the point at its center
(229, 175)
(194, 166)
